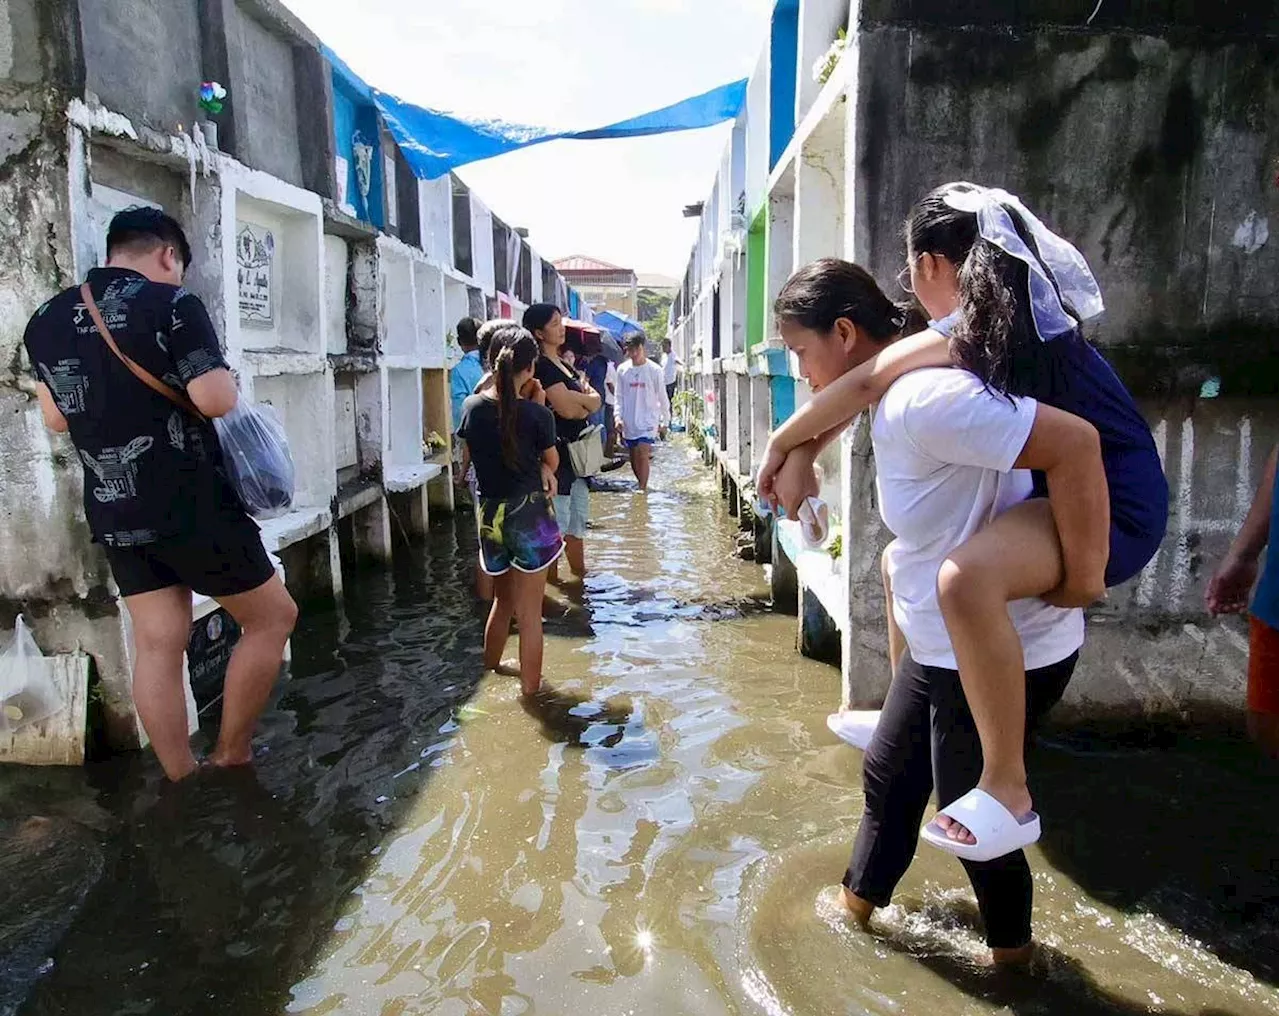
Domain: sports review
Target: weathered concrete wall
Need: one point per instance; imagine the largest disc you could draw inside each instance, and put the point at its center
(143, 58)
(49, 568)
(1246, 17)
(263, 69)
(1156, 155)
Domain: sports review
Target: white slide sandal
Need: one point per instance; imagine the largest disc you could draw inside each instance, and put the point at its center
(992, 824)
(855, 726)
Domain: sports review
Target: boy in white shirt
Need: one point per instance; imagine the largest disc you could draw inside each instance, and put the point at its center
(643, 407)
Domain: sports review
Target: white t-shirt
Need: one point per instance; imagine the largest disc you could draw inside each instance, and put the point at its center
(642, 399)
(945, 449)
(669, 367)
(611, 385)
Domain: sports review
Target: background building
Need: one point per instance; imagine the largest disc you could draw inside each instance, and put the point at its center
(603, 286)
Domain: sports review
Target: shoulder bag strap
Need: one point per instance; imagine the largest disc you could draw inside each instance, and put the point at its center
(141, 373)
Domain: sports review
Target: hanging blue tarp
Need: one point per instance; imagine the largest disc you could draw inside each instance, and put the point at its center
(434, 142)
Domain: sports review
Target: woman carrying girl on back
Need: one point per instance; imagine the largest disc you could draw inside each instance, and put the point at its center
(1007, 298)
(511, 441)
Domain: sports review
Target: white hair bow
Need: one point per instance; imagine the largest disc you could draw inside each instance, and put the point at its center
(1058, 275)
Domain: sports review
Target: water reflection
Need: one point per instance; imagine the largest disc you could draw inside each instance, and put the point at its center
(658, 833)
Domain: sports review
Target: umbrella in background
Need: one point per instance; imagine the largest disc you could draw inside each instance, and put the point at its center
(619, 325)
(579, 334)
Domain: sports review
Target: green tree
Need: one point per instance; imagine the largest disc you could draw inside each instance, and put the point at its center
(651, 309)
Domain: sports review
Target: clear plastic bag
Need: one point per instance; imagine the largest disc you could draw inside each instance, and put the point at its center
(259, 465)
(27, 691)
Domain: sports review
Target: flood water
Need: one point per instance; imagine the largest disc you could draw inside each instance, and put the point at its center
(662, 836)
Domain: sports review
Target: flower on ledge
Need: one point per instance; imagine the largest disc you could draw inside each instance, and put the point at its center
(211, 96)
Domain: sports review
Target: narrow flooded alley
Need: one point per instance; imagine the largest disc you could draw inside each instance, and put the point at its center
(661, 835)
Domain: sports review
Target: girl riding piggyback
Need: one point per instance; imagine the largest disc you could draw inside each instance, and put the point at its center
(1006, 298)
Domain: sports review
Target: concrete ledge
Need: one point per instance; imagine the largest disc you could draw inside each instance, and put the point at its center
(294, 528)
(401, 479)
(356, 496)
(817, 572)
(274, 362)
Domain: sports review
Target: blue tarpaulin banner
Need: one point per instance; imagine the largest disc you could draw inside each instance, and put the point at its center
(434, 142)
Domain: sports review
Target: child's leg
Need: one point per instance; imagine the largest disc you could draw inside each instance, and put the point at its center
(527, 589)
(1017, 555)
(498, 627)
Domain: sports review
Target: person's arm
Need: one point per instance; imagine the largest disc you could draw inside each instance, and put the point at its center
(1229, 588)
(461, 477)
(664, 403)
(550, 456)
(852, 392)
(591, 399)
(550, 463)
(193, 345)
(53, 418)
(787, 479)
(1068, 451)
(566, 403)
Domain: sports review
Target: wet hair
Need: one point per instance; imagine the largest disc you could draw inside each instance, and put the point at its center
(538, 316)
(484, 338)
(823, 291)
(466, 330)
(996, 332)
(142, 229)
(515, 350)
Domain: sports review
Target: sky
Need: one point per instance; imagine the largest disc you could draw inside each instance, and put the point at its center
(566, 64)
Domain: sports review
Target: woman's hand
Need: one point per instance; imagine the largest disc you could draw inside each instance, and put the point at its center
(1229, 588)
(548, 480)
(1073, 593)
(534, 392)
(796, 480)
(767, 474)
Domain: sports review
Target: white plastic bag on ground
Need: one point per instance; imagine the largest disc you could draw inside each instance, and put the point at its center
(27, 691)
(259, 465)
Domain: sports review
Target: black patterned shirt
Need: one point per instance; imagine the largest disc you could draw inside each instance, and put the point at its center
(151, 470)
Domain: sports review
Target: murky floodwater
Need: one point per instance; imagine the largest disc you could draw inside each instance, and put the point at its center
(414, 842)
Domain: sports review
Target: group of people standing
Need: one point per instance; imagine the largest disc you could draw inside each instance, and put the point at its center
(524, 412)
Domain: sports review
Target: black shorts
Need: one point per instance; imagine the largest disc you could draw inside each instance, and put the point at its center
(224, 558)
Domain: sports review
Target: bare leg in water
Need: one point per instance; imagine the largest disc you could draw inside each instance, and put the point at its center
(640, 458)
(498, 628)
(526, 590)
(266, 616)
(161, 627)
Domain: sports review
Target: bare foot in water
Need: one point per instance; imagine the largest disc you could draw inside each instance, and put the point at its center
(224, 759)
(507, 668)
(1013, 959)
(859, 909)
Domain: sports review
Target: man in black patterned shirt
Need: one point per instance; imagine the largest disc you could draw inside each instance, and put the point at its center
(155, 493)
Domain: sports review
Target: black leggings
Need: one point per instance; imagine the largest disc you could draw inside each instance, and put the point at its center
(926, 740)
